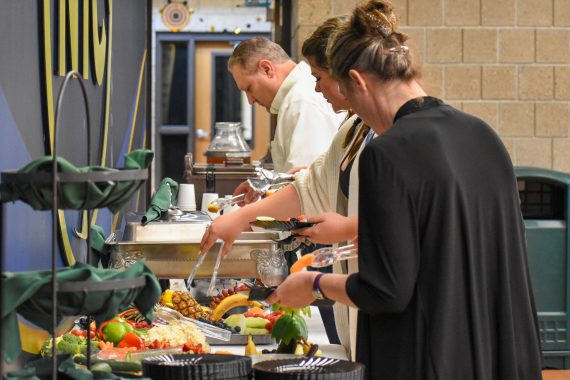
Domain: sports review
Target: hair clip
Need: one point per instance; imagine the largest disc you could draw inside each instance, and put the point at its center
(380, 23)
(385, 30)
(402, 49)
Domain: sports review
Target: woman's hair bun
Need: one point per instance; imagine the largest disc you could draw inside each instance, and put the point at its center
(377, 17)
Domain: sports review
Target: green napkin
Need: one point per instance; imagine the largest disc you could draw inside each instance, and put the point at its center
(161, 200)
(25, 294)
(76, 196)
(100, 250)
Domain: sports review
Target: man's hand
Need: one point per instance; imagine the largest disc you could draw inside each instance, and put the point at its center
(226, 227)
(295, 291)
(250, 195)
(329, 228)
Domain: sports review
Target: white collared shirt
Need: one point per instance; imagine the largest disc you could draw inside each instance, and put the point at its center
(306, 122)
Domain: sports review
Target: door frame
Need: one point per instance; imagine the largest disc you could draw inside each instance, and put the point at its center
(187, 129)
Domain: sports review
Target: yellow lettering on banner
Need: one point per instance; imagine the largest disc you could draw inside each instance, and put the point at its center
(73, 7)
(62, 66)
(85, 39)
(69, 14)
(99, 44)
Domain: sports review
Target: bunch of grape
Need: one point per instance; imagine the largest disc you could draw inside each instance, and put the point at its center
(222, 325)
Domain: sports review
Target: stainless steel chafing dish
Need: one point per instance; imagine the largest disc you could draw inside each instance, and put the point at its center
(170, 248)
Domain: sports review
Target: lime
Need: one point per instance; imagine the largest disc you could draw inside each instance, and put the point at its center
(114, 332)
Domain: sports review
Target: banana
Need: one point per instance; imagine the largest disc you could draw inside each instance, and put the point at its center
(229, 303)
(250, 348)
(306, 347)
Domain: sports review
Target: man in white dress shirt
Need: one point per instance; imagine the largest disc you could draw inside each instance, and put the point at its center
(306, 123)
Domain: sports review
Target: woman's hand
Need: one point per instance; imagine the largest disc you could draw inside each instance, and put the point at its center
(329, 228)
(296, 291)
(226, 227)
(250, 194)
(296, 169)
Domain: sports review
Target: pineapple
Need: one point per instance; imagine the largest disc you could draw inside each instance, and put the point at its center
(187, 305)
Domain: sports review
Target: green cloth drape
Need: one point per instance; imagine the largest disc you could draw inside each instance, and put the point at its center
(75, 196)
(29, 294)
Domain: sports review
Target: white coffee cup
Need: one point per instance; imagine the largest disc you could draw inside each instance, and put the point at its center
(186, 197)
(207, 198)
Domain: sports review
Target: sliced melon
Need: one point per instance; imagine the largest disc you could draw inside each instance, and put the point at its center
(236, 320)
(255, 331)
(255, 322)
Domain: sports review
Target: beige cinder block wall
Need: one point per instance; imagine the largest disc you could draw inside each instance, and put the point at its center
(506, 61)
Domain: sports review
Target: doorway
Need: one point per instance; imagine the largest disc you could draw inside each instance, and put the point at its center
(194, 90)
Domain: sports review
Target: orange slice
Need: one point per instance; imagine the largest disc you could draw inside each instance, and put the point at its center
(303, 262)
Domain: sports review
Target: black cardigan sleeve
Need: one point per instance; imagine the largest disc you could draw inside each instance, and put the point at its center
(387, 237)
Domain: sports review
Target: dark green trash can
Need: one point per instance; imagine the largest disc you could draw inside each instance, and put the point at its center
(545, 202)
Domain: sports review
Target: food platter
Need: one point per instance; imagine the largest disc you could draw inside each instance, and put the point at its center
(241, 339)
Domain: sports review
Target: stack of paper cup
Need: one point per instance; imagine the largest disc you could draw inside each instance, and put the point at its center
(186, 197)
(206, 199)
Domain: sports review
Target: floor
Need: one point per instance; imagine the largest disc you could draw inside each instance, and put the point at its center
(556, 374)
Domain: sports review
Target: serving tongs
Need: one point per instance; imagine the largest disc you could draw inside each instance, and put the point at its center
(164, 315)
(274, 177)
(202, 256)
(258, 292)
(325, 257)
(260, 185)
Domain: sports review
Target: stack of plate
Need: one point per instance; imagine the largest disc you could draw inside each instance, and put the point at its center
(187, 366)
(313, 368)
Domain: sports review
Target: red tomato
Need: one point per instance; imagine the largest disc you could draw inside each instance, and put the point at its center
(132, 340)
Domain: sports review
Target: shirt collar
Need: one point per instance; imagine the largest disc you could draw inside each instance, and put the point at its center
(296, 74)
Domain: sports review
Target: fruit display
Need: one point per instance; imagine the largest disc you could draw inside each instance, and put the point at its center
(224, 293)
(228, 303)
(303, 262)
(250, 348)
(184, 303)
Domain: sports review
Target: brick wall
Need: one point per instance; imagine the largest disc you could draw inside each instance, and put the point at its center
(506, 61)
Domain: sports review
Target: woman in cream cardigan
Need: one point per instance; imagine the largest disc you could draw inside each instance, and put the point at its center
(327, 191)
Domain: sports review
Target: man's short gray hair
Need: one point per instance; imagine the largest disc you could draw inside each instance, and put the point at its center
(249, 52)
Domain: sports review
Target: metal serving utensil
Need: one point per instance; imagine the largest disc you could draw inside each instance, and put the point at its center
(325, 257)
(275, 177)
(258, 185)
(214, 273)
(201, 258)
(163, 315)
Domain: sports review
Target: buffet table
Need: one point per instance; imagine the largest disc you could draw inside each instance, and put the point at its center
(317, 335)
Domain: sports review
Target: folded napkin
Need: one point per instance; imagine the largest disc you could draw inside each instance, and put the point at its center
(26, 293)
(99, 249)
(76, 196)
(161, 200)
